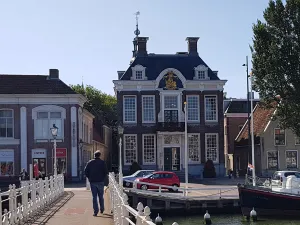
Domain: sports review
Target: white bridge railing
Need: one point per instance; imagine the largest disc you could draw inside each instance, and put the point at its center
(20, 205)
(124, 214)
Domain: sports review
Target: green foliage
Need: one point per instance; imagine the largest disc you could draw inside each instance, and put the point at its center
(276, 60)
(209, 170)
(101, 105)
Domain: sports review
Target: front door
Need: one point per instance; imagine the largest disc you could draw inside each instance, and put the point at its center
(172, 159)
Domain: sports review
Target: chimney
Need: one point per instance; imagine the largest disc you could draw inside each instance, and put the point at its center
(141, 45)
(120, 74)
(192, 45)
(53, 74)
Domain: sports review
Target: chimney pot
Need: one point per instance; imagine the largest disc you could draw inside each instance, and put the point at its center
(53, 74)
(192, 45)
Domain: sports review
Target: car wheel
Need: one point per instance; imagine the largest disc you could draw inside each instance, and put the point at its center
(175, 188)
(144, 187)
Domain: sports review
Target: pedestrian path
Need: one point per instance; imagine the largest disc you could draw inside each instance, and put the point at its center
(79, 210)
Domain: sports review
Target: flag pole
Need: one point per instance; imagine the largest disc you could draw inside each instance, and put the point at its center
(252, 131)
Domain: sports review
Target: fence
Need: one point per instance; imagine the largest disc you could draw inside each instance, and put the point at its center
(124, 214)
(30, 200)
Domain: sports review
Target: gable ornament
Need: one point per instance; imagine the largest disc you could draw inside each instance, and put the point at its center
(170, 81)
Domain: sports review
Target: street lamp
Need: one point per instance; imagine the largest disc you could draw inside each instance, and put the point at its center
(54, 131)
(252, 132)
(186, 148)
(80, 158)
(120, 131)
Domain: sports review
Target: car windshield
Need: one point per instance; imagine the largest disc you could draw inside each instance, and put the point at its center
(136, 173)
(149, 175)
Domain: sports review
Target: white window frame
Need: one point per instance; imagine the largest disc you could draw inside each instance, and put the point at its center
(218, 151)
(198, 108)
(143, 115)
(296, 159)
(138, 68)
(124, 147)
(199, 148)
(217, 110)
(149, 163)
(177, 94)
(135, 110)
(13, 123)
(267, 158)
(203, 69)
(297, 139)
(275, 136)
(49, 109)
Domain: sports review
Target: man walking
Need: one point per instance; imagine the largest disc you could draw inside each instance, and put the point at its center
(96, 171)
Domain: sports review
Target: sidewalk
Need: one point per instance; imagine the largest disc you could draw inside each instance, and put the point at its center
(79, 210)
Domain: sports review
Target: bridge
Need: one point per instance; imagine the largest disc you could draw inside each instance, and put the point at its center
(51, 201)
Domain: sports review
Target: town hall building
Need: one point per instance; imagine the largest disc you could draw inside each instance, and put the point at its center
(151, 97)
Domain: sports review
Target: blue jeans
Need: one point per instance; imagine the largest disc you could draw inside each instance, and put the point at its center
(97, 189)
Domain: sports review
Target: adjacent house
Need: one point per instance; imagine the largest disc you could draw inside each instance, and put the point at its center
(151, 96)
(275, 148)
(29, 106)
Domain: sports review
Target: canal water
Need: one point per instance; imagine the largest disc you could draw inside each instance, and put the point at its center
(226, 219)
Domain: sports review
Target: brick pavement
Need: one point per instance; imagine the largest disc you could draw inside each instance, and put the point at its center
(79, 210)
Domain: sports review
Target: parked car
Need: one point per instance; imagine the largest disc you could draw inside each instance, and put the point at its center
(280, 177)
(128, 180)
(161, 177)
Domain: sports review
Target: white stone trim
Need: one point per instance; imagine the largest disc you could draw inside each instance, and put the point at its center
(175, 71)
(147, 163)
(48, 108)
(9, 141)
(80, 123)
(177, 93)
(42, 99)
(138, 68)
(74, 148)
(23, 131)
(201, 68)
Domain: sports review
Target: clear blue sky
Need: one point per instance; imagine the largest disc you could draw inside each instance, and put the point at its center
(93, 38)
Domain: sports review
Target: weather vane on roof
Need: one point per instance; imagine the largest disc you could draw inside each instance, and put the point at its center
(137, 31)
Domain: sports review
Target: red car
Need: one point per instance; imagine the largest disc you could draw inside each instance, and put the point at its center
(160, 177)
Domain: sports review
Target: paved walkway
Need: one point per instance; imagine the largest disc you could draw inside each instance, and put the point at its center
(79, 210)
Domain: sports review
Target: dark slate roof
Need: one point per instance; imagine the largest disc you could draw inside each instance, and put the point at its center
(239, 106)
(156, 63)
(32, 84)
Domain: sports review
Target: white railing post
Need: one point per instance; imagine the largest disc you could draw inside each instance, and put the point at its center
(140, 215)
(15, 204)
(33, 195)
(147, 213)
(0, 209)
(24, 191)
(125, 213)
(11, 203)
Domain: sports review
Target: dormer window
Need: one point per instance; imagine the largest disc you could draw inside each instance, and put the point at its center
(138, 73)
(201, 73)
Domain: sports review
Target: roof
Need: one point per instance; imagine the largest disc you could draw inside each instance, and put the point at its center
(261, 118)
(32, 84)
(156, 63)
(239, 106)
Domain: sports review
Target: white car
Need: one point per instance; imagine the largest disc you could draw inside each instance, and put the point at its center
(279, 178)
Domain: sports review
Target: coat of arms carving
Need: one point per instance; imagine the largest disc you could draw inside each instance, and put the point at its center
(170, 81)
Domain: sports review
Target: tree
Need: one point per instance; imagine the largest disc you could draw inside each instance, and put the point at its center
(276, 61)
(101, 105)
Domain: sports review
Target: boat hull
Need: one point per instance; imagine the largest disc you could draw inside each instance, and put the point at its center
(267, 202)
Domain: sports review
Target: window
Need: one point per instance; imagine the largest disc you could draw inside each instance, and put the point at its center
(279, 135)
(297, 140)
(138, 75)
(129, 109)
(272, 158)
(211, 109)
(149, 147)
(130, 149)
(291, 159)
(211, 147)
(6, 162)
(148, 109)
(171, 102)
(193, 108)
(171, 108)
(201, 75)
(45, 121)
(6, 123)
(194, 147)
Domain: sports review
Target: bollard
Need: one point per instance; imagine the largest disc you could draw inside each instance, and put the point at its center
(253, 215)
(158, 220)
(207, 219)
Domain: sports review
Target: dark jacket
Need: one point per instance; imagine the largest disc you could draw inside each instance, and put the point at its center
(96, 170)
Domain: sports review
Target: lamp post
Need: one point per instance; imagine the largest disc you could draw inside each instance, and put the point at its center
(252, 133)
(186, 147)
(54, 131)
(120, 131)
(80, 158)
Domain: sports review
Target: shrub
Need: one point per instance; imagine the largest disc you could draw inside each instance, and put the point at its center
(209, 170)
(134, 167)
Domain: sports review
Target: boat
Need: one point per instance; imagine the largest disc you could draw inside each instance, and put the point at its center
(268, 200)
